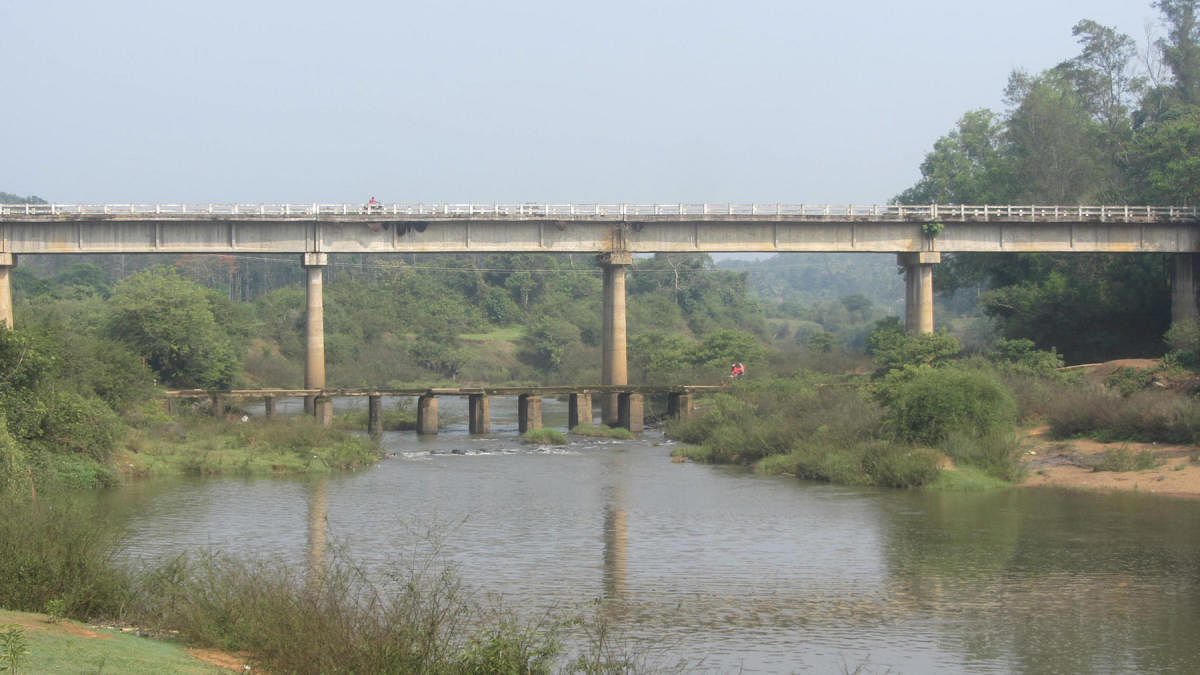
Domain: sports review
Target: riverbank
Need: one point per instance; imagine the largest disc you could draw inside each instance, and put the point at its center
(65, 646)
(1073, 464)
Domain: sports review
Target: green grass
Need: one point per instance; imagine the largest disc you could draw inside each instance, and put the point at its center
(1123, 459)
(71, 647)
(544, 436)
(602, 431)
(390, 420)
(965, 479)
(205, 447)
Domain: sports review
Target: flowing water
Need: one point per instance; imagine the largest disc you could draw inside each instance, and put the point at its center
(730, 571)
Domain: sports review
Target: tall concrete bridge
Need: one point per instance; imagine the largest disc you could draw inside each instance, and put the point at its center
(615, 232)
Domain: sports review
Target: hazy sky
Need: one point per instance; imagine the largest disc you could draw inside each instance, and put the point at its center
(471, 100)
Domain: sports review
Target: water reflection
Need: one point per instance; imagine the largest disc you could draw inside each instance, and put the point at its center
(318, 491)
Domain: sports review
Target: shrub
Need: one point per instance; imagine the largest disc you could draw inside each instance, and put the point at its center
(1184, 339)
(936, 402)
(602, 431)
(1123, 459)
(544, 436)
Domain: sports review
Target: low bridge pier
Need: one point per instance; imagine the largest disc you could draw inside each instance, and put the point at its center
(918, 289)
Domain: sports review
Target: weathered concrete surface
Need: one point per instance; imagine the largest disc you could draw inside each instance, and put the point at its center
(427, 415)
(918, 289)
(579, 409)
(1043, 230)
(614, 366)
(480, 414)
(7, 262)
(374, 414)
(631, 412)
(314, 324)
(680, 406)
(529, 412)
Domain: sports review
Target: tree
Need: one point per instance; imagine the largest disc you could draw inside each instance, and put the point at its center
(171, 323)
(965, 166)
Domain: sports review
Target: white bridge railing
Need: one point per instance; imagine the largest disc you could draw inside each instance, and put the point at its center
(519, 210)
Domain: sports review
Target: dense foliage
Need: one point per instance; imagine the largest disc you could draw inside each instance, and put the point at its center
(1097, 128)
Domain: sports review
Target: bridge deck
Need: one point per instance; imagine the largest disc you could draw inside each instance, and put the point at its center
(588, 228)
(445, 391)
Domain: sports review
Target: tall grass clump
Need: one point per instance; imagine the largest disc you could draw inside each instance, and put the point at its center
(1149, 416)
(58, 551)
(336, 619)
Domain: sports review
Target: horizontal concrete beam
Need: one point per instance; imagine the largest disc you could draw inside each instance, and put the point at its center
(447, 391)
(647, 234)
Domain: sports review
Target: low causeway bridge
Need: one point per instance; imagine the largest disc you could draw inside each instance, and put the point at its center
(615, 232)
(630, 407)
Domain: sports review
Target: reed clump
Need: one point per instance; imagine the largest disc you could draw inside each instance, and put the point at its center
(602, 431)
(544, 436)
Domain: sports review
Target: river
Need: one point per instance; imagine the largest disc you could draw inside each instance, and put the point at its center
(723, 570)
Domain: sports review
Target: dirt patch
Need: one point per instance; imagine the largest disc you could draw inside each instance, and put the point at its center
(221, 659)
(1070, 464)
(41, 623)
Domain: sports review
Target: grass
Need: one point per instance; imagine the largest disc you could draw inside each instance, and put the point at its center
(544, 436)
(397, 419)
(507, 333)
(72, 647)
(602, 431)
(965, 479)
(205, 446)
(1123, 459)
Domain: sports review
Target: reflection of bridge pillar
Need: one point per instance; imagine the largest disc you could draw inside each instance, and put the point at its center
(427, 414)
(680, 405)
(314, 330)
(631, 412)
(316, 528)
(480, 414)
(7, 262)
(529, 412)
(918, 289)
(579, 410)
(1183, 287)
(616, 545)
(268, 407)
(613, 368)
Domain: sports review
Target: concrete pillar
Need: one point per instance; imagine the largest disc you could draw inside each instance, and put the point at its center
(314, 327)
(269, 407)
(427, 414)
(529, 412)
(170, 405)
(323, 409)
(631, 412)
(7, 262)
(374, 414)
(918, 289)
(1183, 287)
(579, 410)
(218, 406)
(680, 405)
(480, 413)
(613, 367)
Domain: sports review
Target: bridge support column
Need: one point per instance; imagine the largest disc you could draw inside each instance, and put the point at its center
(529, 412)
(269, 407)
(323, 409)
(918, 289)
(7, 262)
(218, 406)
(314, 328)
(613, 368)
(1183, 287)
(480, 410)
(680, 405)
(374, 414)
(427, 415)
(631, 412)
(579, 410)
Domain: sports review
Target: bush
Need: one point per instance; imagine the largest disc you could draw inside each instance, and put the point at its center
(1122, 459)
(544, 436)
(1184, 339)
(934, 403)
